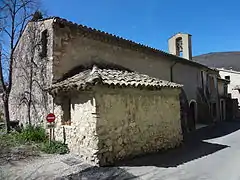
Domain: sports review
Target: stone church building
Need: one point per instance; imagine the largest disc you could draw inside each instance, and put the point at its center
(104, 88)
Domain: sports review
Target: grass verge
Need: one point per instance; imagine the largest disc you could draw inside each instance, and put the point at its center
(29, 139)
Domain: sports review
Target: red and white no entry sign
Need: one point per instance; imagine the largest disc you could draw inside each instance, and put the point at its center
(50, 118)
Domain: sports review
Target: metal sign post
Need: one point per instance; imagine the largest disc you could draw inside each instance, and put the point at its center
(51, 125)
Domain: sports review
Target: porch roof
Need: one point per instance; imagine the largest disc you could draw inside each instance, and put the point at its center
(111, 77)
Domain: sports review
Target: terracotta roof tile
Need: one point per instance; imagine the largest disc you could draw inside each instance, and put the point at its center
(110, 77)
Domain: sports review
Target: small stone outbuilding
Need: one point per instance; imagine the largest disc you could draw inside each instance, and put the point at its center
(109, 114)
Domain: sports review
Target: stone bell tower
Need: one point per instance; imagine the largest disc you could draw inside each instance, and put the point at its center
(181, 45)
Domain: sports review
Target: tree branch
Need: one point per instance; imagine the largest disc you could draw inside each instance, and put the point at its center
(1, 73)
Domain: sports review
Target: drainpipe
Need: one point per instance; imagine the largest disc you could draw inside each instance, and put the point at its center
(171, 71)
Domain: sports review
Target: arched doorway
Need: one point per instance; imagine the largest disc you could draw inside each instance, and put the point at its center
(184, 105)
(193, 114)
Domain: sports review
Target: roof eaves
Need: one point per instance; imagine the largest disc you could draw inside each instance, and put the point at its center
(100, 76)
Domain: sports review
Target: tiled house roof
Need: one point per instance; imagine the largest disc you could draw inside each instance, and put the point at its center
(110, 77)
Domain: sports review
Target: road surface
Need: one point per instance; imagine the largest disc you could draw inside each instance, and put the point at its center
(210, 153)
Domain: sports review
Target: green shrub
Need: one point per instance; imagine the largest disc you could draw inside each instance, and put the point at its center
(9, 140)
(1, 116)
(33, 133)
(55, 147)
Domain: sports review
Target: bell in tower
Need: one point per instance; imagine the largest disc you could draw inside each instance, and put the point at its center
(180, 45)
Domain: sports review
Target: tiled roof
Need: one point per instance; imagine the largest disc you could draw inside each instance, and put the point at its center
(110, 77)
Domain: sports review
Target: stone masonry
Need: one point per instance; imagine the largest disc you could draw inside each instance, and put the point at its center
(117, 114)
(108, 125)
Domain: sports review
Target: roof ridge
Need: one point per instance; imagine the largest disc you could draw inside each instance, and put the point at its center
(94, 76)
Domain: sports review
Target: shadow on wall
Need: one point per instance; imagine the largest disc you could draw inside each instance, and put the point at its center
(102, 173)
(100, 63)
(193, 148)
(203, 106)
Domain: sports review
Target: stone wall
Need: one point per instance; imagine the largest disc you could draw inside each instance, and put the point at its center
(72, 48)
(67, 49)
(31, 75)
(181, 74)
(132, 122)
(81, 134)
(109, 124)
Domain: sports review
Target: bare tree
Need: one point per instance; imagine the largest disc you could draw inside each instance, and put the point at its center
(13, 18)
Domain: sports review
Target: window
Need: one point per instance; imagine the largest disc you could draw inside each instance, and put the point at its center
(66, 107)
(44, 41)
(227, 77)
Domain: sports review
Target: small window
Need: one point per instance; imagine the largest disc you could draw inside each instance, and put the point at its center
(44, 41)
(66, 107)
(227, 77)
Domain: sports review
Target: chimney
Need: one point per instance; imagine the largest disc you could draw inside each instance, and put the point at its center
(181, 45)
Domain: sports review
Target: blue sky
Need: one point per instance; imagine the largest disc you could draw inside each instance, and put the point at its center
(214, 25)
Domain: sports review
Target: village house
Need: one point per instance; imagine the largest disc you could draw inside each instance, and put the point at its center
(228, 65)
(104, 88)
(111, 114)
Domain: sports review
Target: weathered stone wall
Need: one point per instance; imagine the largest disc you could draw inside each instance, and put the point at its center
(72, 48)
(132, 122)
(27, 57)
(81, 134)
(68, 48)
(109, 124)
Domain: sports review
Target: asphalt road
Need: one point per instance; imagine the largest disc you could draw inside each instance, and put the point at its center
(211, 153)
